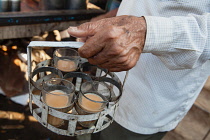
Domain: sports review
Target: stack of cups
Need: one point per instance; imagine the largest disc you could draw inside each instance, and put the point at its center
(92, 97)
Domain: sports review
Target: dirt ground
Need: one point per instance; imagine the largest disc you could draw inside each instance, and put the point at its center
(21, 126)
(16, 123)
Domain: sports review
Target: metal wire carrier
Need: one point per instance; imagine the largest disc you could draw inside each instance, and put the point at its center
(72, 122)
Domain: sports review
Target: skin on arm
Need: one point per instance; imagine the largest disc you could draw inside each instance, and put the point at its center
(113, 43)
(109, 14)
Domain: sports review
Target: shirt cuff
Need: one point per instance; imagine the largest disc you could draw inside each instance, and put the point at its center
(159, 34)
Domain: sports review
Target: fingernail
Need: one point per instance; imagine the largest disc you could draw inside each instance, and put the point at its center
(73, 29)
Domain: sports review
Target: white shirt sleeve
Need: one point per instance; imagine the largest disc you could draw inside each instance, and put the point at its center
(180, 42)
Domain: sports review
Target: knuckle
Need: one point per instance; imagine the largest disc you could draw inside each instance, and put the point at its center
(114, 70)
(89, 26)
(86, 25)
(113, 31)
(103, 66)
(115, 51)
(82, 52)
(92, 61)
(122, 60)
(129, 66)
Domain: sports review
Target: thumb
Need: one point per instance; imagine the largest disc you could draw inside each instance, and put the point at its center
(84, 30)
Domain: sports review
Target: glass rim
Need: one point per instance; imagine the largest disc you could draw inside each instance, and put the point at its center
(94, 92)
(65, 48)
(86, 111)
(67, 94)
(103, 97)
(105, 100)
(70, 104)
(106, 71)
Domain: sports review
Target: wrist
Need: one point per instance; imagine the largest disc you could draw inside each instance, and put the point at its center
(143, 30)
(111, 13)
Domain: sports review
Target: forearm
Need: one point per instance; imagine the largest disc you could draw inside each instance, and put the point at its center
(180, 42)
(111, 13)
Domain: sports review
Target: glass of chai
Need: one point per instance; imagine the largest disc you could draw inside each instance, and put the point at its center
(66, 59)
(93, 98)
(58, 94)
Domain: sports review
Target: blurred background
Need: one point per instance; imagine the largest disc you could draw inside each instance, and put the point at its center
(22, 21)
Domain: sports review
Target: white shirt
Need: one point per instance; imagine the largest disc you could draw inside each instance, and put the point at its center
(173, 68)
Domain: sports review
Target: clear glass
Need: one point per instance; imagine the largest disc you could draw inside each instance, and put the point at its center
(66, 59)
(93, 96)
(93, 70)
(58, 94)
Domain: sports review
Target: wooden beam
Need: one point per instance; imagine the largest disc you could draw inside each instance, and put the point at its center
(36, 17)
(22, 31)
(29, 24)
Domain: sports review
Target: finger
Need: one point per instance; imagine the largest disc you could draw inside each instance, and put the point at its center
(109, 65)
(96, 44)
(95, 61)
(112, 51)
(81, 39)
(122, 63)
(115, 63)
(89, 28)
(102, 56)
(85, 29)
(116, 69)
(92, 46)
(109, 54)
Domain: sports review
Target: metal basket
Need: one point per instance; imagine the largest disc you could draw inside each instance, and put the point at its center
(71, 126)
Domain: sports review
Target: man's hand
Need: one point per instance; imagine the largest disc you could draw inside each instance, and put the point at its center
(112, 43)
